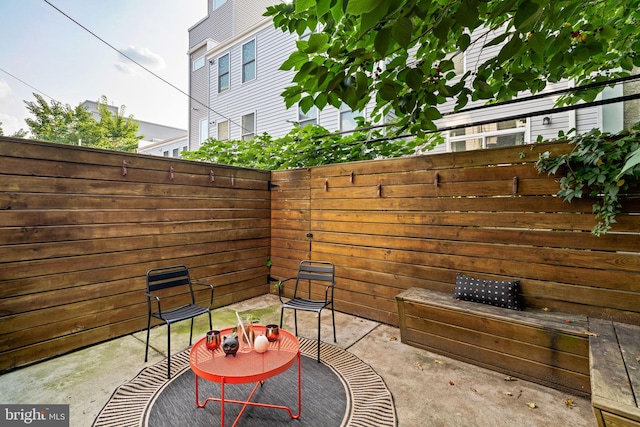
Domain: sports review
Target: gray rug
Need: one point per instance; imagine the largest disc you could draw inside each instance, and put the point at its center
(341, 391)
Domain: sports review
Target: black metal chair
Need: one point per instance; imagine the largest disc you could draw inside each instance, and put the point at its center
(161, 279)
(312, 272)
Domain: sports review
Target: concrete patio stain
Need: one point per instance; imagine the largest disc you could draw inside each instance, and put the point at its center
(428, 389)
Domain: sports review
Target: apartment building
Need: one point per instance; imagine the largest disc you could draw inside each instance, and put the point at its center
(235, 83)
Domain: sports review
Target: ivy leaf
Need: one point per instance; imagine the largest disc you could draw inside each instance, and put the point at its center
(402, 30)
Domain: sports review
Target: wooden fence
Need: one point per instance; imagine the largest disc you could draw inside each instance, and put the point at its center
(80, 227)
(393, 224)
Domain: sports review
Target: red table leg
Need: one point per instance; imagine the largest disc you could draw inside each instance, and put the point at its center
(248, 402)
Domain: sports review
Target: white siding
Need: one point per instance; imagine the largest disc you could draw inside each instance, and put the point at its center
(198, 88)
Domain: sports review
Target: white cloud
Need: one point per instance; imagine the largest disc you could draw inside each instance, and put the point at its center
(11, 124)
(5, 89)
(142, 56)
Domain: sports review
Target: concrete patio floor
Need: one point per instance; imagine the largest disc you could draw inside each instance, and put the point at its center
(428, 389)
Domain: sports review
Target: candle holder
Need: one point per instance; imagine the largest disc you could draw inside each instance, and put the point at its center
(272, 332)
(213, 340)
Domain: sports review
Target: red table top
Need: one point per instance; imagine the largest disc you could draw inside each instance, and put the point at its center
(245, 367)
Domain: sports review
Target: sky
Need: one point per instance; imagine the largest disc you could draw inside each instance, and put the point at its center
(45, 52)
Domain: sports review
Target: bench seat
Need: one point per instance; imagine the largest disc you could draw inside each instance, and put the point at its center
(615, 373)
(544, 347)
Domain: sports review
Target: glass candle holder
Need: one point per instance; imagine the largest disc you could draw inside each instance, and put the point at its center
(272, 332)
(213, 340)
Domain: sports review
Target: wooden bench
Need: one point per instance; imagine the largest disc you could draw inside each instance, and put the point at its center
(615, 373)
(544, 347)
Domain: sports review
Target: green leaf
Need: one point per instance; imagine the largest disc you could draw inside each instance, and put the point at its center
(388, 91)
(537, 42)
(463, 41)
(317, 42)
(415, 78)
(370, 19)
(402, 31)
(441, 31)
(527, 14)
(358, 7)
(510, 49)
(295, 60)
(467, 14)
(382, 42)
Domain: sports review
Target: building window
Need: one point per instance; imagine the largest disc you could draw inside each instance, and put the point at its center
(500, 134)
(198, 63)
(248, 126)
(248, 61)
(348, 117)
(218, 3)
(223, 73)
(165, 153)
(184, 148)
(308, 118)
(204, 131)
(223, 130)
(176, 152)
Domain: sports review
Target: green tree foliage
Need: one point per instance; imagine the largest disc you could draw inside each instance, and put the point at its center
(400, 53)
(63, 124)
(305, 147)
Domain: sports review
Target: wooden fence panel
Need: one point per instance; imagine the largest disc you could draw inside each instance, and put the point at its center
(80, 227)
(393, 224)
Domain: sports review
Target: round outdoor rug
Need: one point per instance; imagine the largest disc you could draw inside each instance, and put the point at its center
(341, 391)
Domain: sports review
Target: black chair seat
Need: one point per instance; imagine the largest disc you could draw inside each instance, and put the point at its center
(305, 305)
(181, 313)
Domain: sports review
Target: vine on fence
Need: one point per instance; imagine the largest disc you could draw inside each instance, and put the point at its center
(596, 166)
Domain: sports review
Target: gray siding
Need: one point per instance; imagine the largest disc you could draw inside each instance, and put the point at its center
(260, 96)
(198, 88)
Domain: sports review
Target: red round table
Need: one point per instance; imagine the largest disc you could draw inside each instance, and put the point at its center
(246, 367)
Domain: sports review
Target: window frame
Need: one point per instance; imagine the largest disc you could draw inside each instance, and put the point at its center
(196, 65)
(484, 135)
(243, 129)
(217, 3)
(227, 73)
(226, 122)
(306, 118)
(203, 125)
(253, 62)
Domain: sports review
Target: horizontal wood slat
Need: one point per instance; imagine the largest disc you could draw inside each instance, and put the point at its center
(389, 225)
(80, 227)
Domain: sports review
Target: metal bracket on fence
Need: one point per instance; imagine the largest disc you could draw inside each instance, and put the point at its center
(233, 180)
(171, 173)
(351, 177)
(436, 180)
(124, 168)
(515, 185)
(326, 185)
(380, 190)
(212, 176)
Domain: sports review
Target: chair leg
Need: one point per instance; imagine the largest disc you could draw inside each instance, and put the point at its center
(191, 333)
(168, 350)
(333, 317)
(146, 351)
(210, 324)
(281, 316)
(319, 317)
(295, 320)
